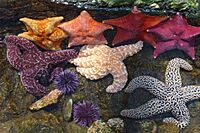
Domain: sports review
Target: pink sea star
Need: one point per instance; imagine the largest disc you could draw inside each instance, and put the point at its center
(175, 33)
(24, 56)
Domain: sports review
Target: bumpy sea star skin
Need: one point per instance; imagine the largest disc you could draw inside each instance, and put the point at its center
(97, 61)
(44, 32)
(24, 56)
(85, 30)
(175, 33)
(171, 95)
(134, 26)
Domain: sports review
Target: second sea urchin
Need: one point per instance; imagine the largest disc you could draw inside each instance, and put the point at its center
(85, 113)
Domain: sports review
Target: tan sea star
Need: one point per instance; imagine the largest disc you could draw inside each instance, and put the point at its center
(44, 32)
(96, 61)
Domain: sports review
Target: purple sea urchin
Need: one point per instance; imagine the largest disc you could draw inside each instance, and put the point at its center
(66, 82)
(85, 113)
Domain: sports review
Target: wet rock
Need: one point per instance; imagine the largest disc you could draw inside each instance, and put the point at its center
(67, 110)
(194, 108)
(40, 122)
(148, 127)
(168, 128)
(117, 124)
(13, 97)
(74, 128)
(99, 127)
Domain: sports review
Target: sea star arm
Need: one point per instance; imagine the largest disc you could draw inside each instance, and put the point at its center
(59, 56)
(32, 85)
(153, 85)
(190, 31)
(85, 62)
(147, 37)
(181, 113)
(171, 120)
(43, 42)
(122, 35)
(152, 107)
(187, 47)
(55, 72)
(172, 74)
(88, 50)
(163, 31)
(128, 50)
(190, 93)
(163, 46)
(48, 24)
(120, 76)
(92, 73)
(30, 36)
(21, 42)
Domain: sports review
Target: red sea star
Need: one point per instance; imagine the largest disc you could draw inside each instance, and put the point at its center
(134, 25)
(85, 30)
(175, 33)
(24, 56)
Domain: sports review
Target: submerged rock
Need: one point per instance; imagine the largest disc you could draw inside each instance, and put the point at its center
(74, 128)
(99, 127)
(67, 109)
(168, 128)
(40, 122)
(117, 124)
(148, 126)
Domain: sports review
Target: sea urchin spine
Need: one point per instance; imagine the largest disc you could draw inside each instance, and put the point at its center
(85, 113)
(66, 82)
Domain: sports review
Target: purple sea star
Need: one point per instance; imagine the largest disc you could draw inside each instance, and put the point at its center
(24, 56)
(175, 33)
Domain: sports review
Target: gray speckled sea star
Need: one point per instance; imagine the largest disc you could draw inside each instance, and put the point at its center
(24, 56)
(171, 95)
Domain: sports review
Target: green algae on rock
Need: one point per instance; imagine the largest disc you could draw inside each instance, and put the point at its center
(169, 4)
